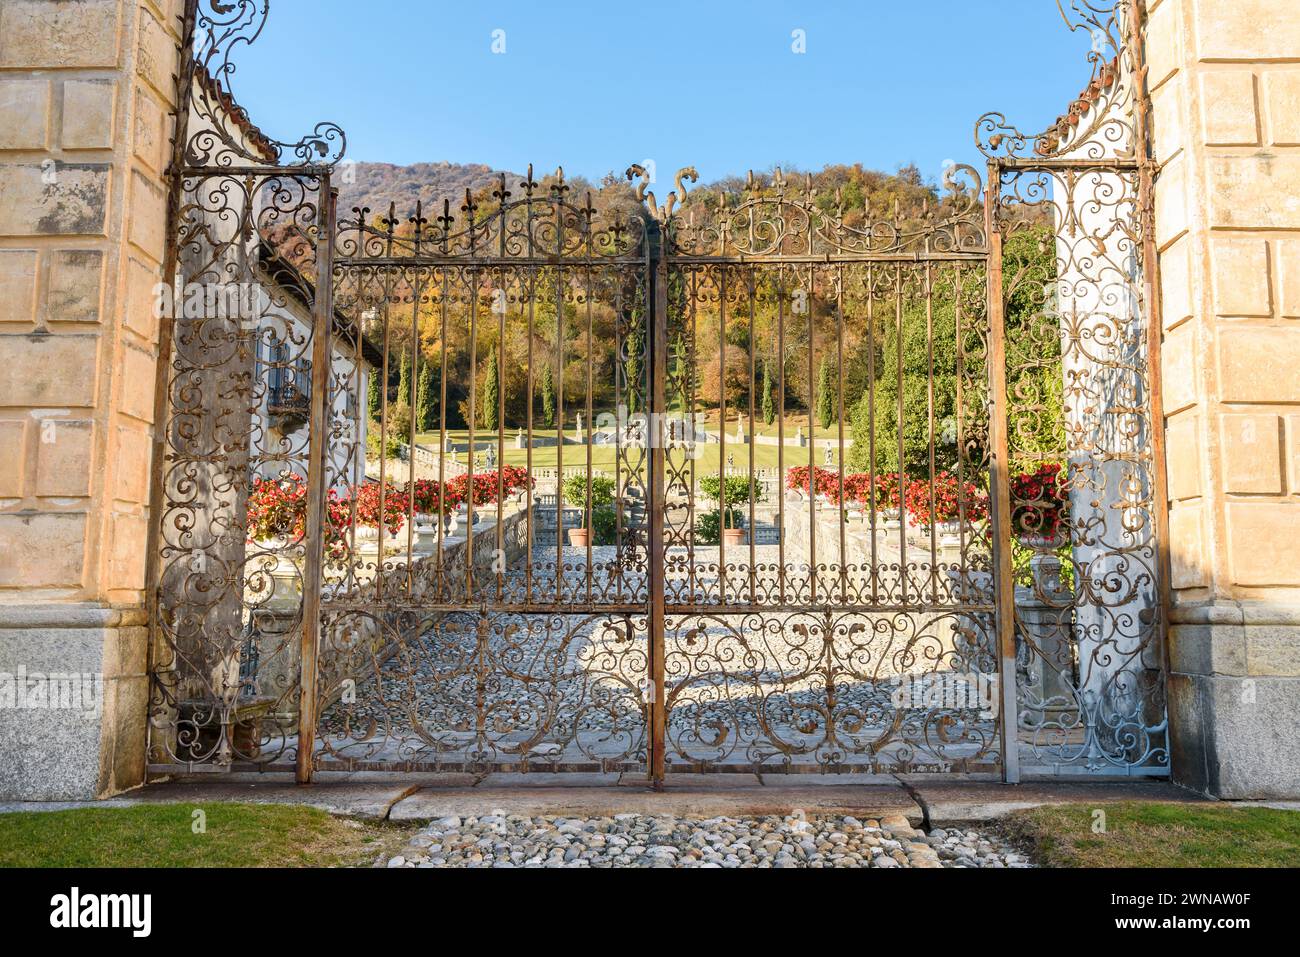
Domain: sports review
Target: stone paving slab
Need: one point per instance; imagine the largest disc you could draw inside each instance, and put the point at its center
(369, 801)
(551, 779)
(418, 797)
(960, 801)
(863, 801)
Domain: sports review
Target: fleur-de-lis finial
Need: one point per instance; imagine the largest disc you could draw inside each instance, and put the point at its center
(529, 184)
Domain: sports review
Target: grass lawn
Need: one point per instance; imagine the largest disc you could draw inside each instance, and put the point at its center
(162, 835)
(1159, 835)
(603, 456)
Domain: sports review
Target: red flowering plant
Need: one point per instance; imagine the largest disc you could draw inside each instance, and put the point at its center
(509, 479)
(824, 481)
(945, 500)
(430, 498)
(371, 512)
(277, 507)
(1038, 501)
(858, 488)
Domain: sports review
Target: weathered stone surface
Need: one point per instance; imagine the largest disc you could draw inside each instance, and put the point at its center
(65, 458)
(1237, 738)
(1241, 277)
(88, 114)
(48, 371)
(1246, 29)
(1258, 363)
(152, 123)
(138, 383)
(1228, 108)
(1180, 368)
(18, 285)
(58, 537)
(134, 454)
(75, 286)
(1252, 453)
(13, 449)
(1282, 94)
(1183, 456)
(1293, 453)
(1254, 191)
(147, 217)
(1262, 540)
(1207, 650)
(1273, 650)
(1176, 283)
(54, 199)
(69, 33)
(1187, 556)
(24, 113)
(49, 754)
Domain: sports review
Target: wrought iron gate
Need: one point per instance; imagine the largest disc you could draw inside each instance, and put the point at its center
(926, 540)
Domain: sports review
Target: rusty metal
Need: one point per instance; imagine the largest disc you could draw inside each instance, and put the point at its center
(314, 550)
(424, 606)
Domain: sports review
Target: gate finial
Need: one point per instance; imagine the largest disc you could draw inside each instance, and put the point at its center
(644, 195)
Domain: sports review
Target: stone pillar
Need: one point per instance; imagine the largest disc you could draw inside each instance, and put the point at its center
(86, 93)
(1226, 111)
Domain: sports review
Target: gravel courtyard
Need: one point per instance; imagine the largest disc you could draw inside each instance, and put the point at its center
(637, 840)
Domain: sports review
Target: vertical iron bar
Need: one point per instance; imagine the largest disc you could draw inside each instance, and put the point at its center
(658, 325)
(871, 432)
(1155, 318)
(902, 464)
(753, 384)
(1000, 485)
(722, 434)
(780, 431)
(314, 546)
(839, 416)
(812, 437)
(930, 428)
(166, 330)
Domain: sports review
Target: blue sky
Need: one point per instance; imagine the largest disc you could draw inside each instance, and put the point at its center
(597, 86)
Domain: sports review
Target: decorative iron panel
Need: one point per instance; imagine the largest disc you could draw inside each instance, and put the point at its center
(753, 479)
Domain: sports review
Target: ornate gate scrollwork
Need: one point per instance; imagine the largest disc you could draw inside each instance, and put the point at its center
(763, 478)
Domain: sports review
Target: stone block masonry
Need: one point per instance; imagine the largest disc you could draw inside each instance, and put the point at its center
(86, 99)
(1226, 93)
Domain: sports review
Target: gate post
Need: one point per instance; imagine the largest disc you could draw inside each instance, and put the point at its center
(657, 369)
(313, 546)
(1000, 484)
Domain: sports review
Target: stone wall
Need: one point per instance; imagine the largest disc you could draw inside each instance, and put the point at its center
(1225, 88)
(86, 92)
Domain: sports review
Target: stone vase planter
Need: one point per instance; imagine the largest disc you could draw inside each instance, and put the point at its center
(950, 534)
(274, 580)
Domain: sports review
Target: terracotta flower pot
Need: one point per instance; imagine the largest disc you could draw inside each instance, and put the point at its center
(733, 536)
(579, 537)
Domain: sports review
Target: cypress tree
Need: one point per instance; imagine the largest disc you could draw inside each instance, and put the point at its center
(491, 393)
(404, 380)
(769, 407)
(825, 395)
(548, 397)
(424, 400)
(372, 394)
